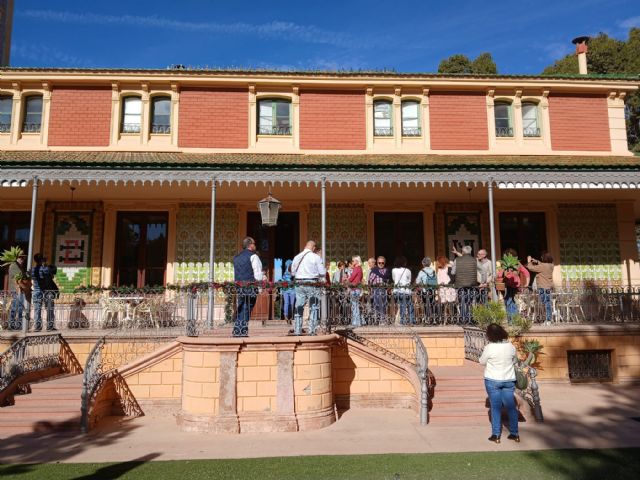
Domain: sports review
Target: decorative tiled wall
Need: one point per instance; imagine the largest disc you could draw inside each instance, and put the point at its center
(346, 230)
(467, 223)
(69, 233)
(192, 242)
(589, 246)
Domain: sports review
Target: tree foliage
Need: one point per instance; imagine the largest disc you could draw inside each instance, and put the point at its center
(609, 55)
(458, 63)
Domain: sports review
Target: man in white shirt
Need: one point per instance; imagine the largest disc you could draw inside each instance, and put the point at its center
(308, 270)
(247, 269)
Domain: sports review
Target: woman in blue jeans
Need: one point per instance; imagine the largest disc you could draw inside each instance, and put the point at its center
(499, 356)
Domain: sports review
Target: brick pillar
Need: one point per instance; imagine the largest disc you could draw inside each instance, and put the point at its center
(228, 415)
(285, 396)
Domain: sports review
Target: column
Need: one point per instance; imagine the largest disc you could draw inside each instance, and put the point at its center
(425, 120)
(115, 113)
(517, 119)
(397, 117)
(16, 113)
(295, 115)
(492, 232)
(32, 231)
(491, 119)
(369, 117)
(46, 109)
(252, 116)
(212, 255)
(146, 114)
(175, 113)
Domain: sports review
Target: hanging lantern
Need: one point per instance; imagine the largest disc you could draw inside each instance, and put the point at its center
(269, 208)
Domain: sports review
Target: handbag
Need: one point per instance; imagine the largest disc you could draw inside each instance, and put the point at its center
(522, 382)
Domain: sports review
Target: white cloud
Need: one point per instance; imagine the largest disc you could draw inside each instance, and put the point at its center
(275, 29)
(46, 56)
(631, 22)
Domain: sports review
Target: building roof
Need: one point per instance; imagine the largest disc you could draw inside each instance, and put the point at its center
(213, 71)
(297, 162)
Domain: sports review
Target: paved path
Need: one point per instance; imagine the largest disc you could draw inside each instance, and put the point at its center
(576, 416)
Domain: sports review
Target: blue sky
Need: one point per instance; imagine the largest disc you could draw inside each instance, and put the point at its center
(406, 36)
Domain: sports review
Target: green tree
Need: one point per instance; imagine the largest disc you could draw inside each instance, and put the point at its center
(458, 63)
(609, 55)
(484, 64)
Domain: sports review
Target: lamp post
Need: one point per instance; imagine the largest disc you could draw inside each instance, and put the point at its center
(269, 208)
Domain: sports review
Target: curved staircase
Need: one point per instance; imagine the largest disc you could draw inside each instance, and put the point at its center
(51, 405)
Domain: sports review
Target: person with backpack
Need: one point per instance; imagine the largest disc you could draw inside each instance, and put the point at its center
(45, 291)
(428, 279)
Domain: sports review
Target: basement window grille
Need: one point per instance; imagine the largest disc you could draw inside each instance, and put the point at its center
(590, 366)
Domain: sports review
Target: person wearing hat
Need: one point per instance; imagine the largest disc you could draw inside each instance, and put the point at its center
(44, 290)
(17, 302)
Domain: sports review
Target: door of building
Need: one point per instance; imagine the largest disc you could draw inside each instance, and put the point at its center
(399, 233)
(281, 241)
(141, 249)
(525, 232)
(14, 231)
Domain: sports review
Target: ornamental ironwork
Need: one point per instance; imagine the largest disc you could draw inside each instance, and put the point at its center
(589, 365)
(504, 132)
(411, 131)
(531, 132)
(274, 130)
(383, 131)
(160, 129)
(130, 128)
(31, 127)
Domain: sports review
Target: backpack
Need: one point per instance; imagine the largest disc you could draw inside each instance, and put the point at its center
(431, 278)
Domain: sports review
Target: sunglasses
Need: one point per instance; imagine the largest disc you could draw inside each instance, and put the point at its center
(380, 263)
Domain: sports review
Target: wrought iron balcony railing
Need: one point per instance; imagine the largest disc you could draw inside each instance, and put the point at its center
(278, 130)
(383, 132)
(130, 128)
(531, 132)
(31, 127)
(158, 129)
(504, 132)
(411, 131)
(5, 127)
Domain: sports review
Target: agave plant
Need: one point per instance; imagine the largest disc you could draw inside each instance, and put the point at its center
(11, 256)
(486, 314)
(531, 347)
(510, 263)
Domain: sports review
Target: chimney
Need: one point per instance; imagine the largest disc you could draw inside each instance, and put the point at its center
(581, 52)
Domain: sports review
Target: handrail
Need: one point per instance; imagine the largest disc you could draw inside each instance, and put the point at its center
(475, 340)
(90, 380)
(30, 354)
(422, 368)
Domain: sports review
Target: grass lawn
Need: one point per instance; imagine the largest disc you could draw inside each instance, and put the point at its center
(550, 464)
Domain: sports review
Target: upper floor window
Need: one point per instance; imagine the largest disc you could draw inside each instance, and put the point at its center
(504, 124)
(274, 117)
(6, 105)
(530, 124)
(161, 115)
(131, 115)
(382, 118)
(32, 121)
(411, 119)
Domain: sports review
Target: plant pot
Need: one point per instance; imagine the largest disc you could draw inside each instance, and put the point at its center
(500, 286)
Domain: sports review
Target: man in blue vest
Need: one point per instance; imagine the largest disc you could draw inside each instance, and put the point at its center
(247, 269)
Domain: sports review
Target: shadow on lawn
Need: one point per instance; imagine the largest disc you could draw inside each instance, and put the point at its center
(17, 452)
(602, 419)
(116, 470)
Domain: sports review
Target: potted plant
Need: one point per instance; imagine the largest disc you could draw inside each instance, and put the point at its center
(22, 278)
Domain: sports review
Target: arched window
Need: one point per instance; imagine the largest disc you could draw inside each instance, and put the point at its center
(530, 123)
(6, 106)
(411, 118)
(274, 117)
(131, 115)
(32, 121)
(504, 123)
(382, 118)
(161, 115)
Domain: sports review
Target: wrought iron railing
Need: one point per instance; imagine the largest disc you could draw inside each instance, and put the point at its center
(531, 132)
(28, 355)
(166, 313)
(383, 131)
(504, 132)
(31, 127)
(5, 127)
(403, 345)
(159, 129)
(274, 130)
(130, 128)
(475, 339)
(411, 131)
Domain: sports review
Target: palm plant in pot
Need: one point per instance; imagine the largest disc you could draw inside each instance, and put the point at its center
(10, 257)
